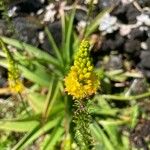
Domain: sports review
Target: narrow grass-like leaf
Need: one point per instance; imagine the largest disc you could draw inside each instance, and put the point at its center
(36, 133)
(54, 46)
(2, 54)
(55, 137)
(18, 126)
(94, 109)
(114, 122)
(36, 73)
(113, 133)
(135, 114)
(68, 43)
(100, 136)
(31, 50)
(96, 21)
(51, 97)
(4, 63)
(44, 143)
(63, 25)
(36, 101)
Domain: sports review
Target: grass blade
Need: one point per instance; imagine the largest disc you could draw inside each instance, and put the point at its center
(68, 37)
(18, 126)
(54, 46)
(31, 50)
(37, 132)
(100, 136)
(96, 21)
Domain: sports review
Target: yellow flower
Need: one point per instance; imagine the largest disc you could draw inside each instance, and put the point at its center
(15, 84)
(82, 81)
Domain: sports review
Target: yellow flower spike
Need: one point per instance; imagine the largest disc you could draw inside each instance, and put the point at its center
(82, 82)
(87, 75)
(15, 84)
(85, 70)
(90, 68)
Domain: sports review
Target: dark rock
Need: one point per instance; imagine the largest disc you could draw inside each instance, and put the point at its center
(25, 7)
(107, 3)
(146, 72)
(2, 77)
(138, 34)
(26, 29)
(4, 28)
(131, 13)
(113, 41)
(144, 3)
(115, 62)
(1, 14)
(2, 82)
(107, 46)
(140, 133)
(80, 15)
(138, 86)
(148, 43)
(145, 59)
(132, 46)
(70, 2)
(56, 31)
(119, 42)
(120, 13)
(126, 13)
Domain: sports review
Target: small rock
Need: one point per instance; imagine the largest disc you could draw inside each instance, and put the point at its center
(120, 13)
(24, 7)
(145, 59)
(108, 24)
(132, 46)
(131, 13)
(144, 3)
(148, 43)
(107, 3)
(27, 29)
(138, 34)
(4, 28)
(80, 15)
(143, 19)
(114, 63)
(56, 31)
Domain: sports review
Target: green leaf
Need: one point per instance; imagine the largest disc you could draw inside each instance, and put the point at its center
(4, 63)
(52, 96)
(18, 126)
(39, 54)
(101, 137)
(2, 54)
(117, 75)
(36, 133)
(113, 133)
(36, 73)
(135, 114)
(96, 21)
(94, 109)
(54, 46)
(54, 138)
(36, 101)
(68, 43)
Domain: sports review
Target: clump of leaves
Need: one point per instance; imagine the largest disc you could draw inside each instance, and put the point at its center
(52, 117)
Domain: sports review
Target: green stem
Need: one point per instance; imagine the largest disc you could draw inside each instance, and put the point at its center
(126, 98)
